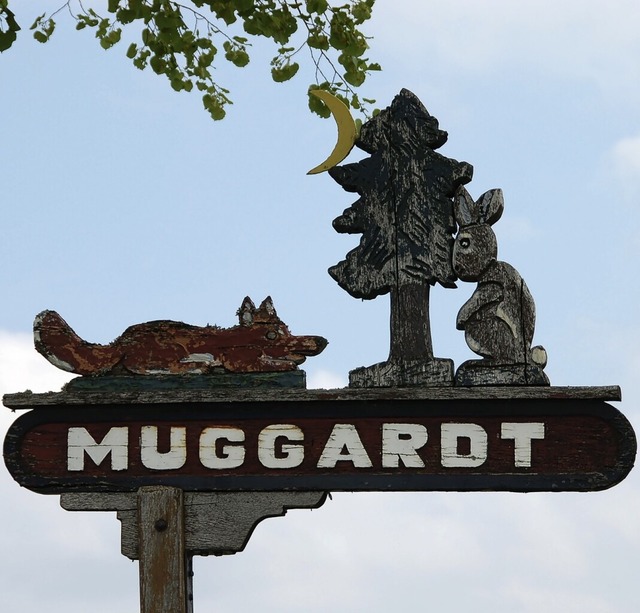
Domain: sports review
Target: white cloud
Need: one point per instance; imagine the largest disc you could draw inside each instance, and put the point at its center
(359, 552)
(324, 379)
(49, 555)
(575, 39)
(23, 368)
(529, 597)
(624, 162)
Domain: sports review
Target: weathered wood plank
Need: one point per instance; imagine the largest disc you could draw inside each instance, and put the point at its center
(163, 563)
(29, 400)
(215, 523)
(320, 446)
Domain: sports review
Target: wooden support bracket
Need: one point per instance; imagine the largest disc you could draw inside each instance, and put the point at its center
(164, 528)
(217, 523)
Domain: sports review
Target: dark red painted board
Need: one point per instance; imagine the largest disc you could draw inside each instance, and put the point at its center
(389, 445)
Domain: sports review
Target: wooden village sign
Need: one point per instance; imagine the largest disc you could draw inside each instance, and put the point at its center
(195, 434)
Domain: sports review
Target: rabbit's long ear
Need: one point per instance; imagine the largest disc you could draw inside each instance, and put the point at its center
(465, 210)
(491, 205)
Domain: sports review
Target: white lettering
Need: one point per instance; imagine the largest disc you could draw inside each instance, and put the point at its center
(344, 445)
(400, 443)
(173, 459)
(229, 456)
(522, 434)
(451, 456)
(114, 442)
(282, 455)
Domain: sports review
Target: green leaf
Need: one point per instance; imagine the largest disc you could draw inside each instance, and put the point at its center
(158, 65)
(125, 16)
(243, 6)
(10, 18)
(41, 37)
(283, 73)
(355, 78)
(316, 105)
(214, 106)
(241, 58)
(36, 23)
(361, 11)
(317, 6)
(7, 39)
(318, 41)
(183, 49)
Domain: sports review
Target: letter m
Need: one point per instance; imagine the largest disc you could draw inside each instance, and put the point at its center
(114, 442)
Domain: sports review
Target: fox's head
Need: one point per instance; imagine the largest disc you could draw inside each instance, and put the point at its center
(273, 335)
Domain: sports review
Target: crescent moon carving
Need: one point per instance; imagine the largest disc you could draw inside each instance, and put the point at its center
(346, 130)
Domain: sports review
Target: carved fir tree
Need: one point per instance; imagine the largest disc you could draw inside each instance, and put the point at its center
(405, 215)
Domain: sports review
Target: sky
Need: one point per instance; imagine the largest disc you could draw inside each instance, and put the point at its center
(122, 202)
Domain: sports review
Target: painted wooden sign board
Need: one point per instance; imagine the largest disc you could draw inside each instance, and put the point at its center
(541, 439)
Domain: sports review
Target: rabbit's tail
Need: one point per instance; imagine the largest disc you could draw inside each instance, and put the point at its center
(539, 356)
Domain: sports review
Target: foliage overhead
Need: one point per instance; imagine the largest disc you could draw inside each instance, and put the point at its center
(183, 40)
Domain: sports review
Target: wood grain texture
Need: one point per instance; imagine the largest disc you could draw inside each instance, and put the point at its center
(403, 372)
(215, 523)
(499, 318)
(261, 342)
(405, 216)
(163, 563)
(323, 444)
(68, 399)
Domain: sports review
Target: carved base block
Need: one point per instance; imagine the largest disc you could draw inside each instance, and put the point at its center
(215, 380)
(483, 372)
(436, 372)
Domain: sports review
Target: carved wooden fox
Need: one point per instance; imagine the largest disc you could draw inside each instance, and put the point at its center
(261, 342)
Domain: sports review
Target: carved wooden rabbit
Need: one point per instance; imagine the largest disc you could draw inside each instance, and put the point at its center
(499, 318)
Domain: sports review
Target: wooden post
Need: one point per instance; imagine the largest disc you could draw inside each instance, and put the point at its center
(165, 579)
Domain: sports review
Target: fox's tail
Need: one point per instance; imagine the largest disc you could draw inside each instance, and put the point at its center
(58, 343)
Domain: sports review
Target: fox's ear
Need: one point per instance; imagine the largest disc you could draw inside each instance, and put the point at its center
(267, 306)
(246, 312)
(266, 311)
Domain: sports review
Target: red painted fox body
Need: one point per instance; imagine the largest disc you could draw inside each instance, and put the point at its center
(261, 342)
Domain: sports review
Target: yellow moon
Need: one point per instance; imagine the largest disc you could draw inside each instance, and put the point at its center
(346, 130)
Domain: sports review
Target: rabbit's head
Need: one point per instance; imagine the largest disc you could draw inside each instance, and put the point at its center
(475, 247)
